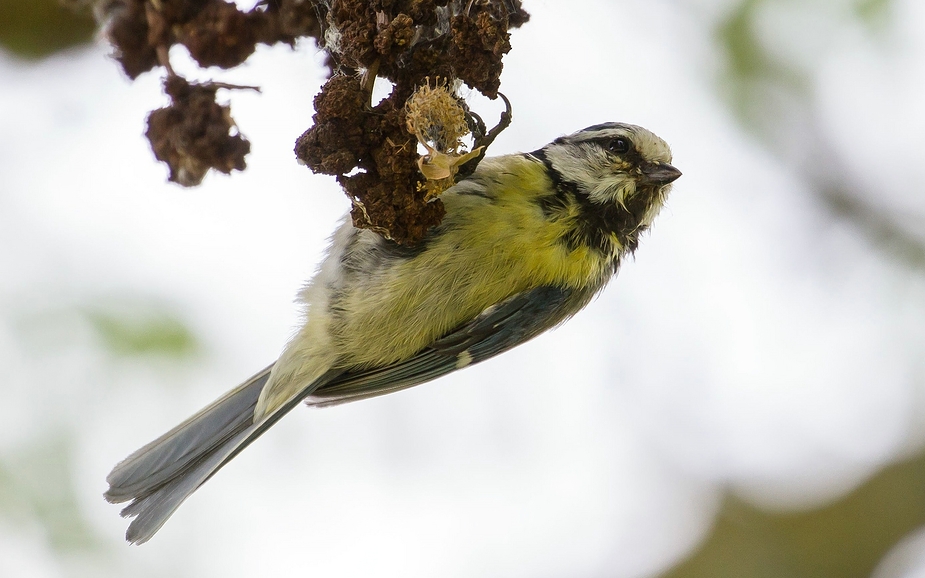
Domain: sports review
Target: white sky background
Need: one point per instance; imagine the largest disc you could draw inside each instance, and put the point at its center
(755, 343)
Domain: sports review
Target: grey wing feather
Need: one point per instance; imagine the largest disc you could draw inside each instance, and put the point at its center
(497, 329)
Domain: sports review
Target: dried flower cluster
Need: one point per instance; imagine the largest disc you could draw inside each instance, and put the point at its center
(372, 150)
(194, 133)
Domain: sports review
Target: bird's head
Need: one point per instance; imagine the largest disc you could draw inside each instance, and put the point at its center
(617, 174)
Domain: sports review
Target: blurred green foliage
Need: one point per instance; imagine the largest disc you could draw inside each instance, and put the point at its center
(873, 11)
(38, 28)
(748, 60)
(846, 539)
(879, 226)
(123, 326)
(132, 332)
(36, 488)
(749, 66)
(773, 99)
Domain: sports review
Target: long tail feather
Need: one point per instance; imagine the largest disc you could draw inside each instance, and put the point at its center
(161, 475)
(167, 456)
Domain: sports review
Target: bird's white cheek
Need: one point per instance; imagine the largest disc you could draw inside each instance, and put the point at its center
(616, 189)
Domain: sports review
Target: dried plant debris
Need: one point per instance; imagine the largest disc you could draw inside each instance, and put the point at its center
(195, 134)
(216, 32)
(425, 48)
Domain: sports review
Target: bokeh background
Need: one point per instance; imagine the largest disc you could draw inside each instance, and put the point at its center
(746, 400)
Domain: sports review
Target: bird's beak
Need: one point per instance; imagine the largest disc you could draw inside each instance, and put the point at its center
(660, 173)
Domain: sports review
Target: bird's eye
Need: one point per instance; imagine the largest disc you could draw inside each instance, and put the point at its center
(620, 145)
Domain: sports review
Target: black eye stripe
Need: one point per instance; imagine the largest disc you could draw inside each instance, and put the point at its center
(631, 155)
(619, 145)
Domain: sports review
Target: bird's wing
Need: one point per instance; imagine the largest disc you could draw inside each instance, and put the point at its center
(497, 329)
(160, 476)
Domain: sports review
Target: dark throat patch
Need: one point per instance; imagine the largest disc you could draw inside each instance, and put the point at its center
(595, 222)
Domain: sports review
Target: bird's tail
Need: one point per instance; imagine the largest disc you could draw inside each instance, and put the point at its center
(161, 475)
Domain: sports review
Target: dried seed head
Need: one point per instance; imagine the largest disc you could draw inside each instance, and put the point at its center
(437, 118)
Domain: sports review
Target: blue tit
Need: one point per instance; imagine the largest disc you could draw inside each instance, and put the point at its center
(527, 241)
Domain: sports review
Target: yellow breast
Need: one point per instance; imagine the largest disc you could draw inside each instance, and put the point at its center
(493, 245)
